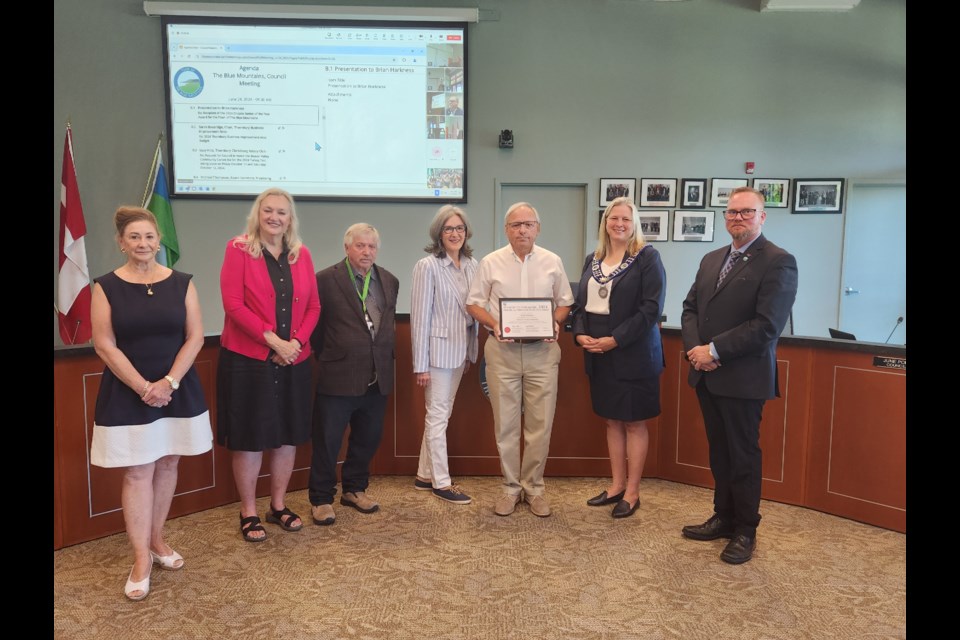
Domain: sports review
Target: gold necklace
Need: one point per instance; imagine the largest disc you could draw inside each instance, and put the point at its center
(148, 285)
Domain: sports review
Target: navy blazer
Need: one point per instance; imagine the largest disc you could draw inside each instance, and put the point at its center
(743, 318)
(636, 304)
(342, 343)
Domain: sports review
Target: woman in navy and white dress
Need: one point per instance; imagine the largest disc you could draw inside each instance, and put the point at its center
(444, 339)
(150, 409)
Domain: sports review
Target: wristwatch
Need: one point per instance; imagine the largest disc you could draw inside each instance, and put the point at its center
(174, 383)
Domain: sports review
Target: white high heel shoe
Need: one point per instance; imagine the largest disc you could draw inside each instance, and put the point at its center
(172, 562)
(132, 587)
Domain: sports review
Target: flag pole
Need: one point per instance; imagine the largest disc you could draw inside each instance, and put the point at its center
(152, 176)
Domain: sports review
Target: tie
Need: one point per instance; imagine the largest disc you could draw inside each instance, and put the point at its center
(732, 260)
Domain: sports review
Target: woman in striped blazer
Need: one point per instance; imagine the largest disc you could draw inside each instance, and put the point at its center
(444, 340)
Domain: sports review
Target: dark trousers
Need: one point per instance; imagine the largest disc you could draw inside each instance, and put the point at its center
(733, 433)
(331, 416)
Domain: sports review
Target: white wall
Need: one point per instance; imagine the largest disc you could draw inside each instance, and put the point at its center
(591, 90)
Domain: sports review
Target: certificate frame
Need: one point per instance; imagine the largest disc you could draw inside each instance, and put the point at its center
(526, 319)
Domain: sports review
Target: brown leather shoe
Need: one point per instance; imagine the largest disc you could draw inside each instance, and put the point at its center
(323, 514)
(359, 501)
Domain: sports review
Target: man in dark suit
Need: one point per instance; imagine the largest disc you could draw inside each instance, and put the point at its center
(732, 318)
(354, 343)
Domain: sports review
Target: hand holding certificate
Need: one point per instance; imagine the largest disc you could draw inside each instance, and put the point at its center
(526, 319)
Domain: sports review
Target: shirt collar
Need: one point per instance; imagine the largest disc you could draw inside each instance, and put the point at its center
(533, 250)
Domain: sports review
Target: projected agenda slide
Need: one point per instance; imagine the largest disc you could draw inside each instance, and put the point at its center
(339, 112)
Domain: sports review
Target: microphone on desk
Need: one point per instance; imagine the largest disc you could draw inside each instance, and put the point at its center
(899, 321)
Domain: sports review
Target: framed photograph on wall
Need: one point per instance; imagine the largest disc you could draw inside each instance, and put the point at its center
(818, 195)
(658, 192)
(613, 188)
(693, 226)
(776, 192)
(693, 194)
(720, 189)
(655, 225)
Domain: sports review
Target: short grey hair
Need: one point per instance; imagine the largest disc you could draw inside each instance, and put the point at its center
(446, 212)
(360, 229)
(519, 205)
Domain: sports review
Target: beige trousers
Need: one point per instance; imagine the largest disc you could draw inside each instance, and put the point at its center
(522, 377)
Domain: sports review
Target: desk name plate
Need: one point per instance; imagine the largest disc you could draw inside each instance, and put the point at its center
(887, 362)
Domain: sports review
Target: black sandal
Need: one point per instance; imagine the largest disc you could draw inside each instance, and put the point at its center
(276, 517)
(249, 525)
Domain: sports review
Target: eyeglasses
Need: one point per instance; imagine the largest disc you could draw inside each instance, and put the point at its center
(457, 229)
(746, 214)
(528, 224)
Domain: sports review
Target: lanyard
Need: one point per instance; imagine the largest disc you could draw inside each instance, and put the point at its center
(366, 284)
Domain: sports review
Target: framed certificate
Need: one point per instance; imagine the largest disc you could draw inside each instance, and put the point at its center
(526, 318)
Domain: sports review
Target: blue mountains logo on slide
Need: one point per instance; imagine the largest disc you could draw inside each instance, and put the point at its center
(188, 82)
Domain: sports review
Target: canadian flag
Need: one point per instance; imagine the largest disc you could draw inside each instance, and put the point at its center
(73, 279)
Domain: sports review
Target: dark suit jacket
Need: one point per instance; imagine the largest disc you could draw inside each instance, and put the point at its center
(342, 342)
(743, 318)
(636, 304)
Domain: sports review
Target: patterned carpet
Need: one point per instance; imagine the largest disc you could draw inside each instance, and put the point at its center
(423, 568)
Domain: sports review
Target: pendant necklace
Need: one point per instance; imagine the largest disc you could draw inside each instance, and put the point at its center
(603, 280)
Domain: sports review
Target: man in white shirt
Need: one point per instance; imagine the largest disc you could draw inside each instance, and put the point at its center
(521, 374)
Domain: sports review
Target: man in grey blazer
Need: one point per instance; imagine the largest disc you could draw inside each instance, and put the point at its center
(354, 344)
(732, 317)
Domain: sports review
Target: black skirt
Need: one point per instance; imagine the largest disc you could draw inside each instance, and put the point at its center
(261, 405)
(612, 396)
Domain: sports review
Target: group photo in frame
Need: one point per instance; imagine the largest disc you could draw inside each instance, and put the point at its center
(613, 188)
(658, 192)
(693, 226)
(720, 189)
(776, 192)
(655, 225)
(818, 195)
(693, 193)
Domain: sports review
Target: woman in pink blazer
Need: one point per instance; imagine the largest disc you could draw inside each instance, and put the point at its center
(264, 392)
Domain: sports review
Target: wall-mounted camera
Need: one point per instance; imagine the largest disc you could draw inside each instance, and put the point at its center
(506, 139)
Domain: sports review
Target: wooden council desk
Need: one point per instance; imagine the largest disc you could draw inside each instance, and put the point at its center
(834, 442)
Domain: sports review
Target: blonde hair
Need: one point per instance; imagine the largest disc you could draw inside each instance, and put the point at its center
(250, 241)
(634, 243)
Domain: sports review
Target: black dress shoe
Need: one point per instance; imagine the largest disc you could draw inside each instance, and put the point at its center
(739, 550)
(624, 510)
(710, 530)
(602, 499)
